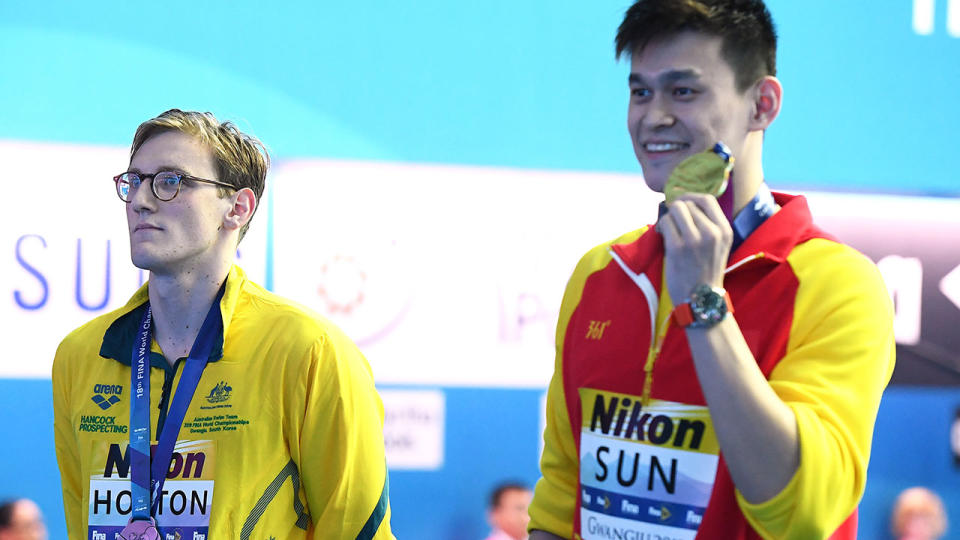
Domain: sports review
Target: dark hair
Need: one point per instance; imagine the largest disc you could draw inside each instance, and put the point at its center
(6, 513)
(749, 38)
(496, 496)
(241, 159)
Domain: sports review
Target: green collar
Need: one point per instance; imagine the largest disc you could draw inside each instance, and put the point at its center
(118, 340)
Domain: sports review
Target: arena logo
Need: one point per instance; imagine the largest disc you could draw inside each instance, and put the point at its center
(105, 403)
(101, 391)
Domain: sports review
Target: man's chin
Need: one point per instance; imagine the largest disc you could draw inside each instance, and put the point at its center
(656, 176)
(145, 262)
(655, 183)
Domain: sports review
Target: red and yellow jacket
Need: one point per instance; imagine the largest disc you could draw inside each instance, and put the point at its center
(819, 321)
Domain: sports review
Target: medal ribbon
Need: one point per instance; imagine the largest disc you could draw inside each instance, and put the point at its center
(147, 479)
(752, 216)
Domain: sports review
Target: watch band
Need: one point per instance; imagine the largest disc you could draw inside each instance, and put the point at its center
(683, 315)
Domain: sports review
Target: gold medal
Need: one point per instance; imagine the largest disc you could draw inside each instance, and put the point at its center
(706, 172)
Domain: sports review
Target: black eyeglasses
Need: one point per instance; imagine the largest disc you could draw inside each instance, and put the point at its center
(165, 184)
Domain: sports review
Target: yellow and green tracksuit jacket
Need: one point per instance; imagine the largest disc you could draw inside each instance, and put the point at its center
(817, 318)
(283, 437)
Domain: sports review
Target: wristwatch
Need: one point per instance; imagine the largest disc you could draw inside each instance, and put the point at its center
(707, 306)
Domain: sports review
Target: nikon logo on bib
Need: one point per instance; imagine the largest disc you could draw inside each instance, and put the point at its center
(644, 470)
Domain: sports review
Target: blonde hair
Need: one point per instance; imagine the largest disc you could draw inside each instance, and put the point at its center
(241, 159)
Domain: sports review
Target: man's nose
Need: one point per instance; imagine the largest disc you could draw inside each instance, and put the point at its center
(142, 198)
(659, 112)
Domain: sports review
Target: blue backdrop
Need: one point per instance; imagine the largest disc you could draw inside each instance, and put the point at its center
(869, 103)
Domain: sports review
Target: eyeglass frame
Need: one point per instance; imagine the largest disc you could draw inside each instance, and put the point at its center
(153, 186)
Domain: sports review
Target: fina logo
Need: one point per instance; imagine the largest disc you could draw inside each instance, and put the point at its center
(220, 393)
(101, 390)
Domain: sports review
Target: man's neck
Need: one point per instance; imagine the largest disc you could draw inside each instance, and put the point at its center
(180, 302)
(747, 173)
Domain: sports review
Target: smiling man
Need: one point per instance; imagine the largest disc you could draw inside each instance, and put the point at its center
(718, 374)
(207, 407)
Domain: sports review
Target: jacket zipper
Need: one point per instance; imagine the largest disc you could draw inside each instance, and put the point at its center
(653, 304)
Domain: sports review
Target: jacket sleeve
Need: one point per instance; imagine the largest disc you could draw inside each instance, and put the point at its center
(555, 497)
(839, 358)
(65, 439)
(340, 450)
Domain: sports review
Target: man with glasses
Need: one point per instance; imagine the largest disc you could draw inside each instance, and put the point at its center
(208, 407)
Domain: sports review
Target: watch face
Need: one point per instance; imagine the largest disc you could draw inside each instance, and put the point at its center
(708, 306)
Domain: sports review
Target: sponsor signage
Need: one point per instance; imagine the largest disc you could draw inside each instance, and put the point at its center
(185, 501)
(413, 428)
(646, 468)
(914, 242)
(444, 275)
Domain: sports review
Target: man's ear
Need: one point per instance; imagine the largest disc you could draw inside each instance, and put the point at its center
(244, 204)
(767, 98)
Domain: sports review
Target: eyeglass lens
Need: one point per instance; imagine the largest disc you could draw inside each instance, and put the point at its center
(166, 185)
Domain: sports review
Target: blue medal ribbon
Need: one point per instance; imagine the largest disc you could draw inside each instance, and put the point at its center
(752, 216)
(147, 476)
(140, 420)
